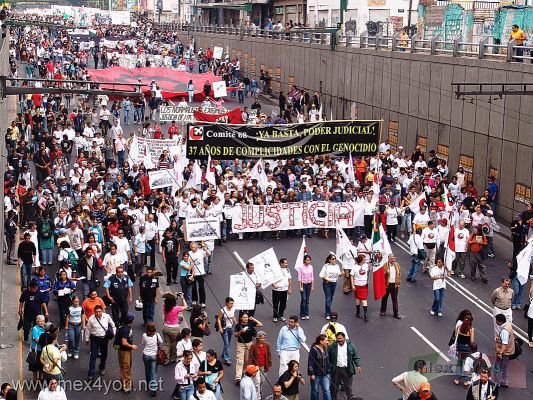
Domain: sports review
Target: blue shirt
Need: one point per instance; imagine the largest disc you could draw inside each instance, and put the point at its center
(290, 339)
(107, 283)
(44, 284)
(493, 189)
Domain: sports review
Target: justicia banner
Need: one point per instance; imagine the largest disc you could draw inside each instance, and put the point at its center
(297, 215)
(220, 141)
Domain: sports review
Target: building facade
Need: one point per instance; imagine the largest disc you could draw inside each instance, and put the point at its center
(386, 16)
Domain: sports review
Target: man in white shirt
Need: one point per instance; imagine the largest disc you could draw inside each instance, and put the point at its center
(281, 290)
(438, 275)
(416, 244)
(123, 248)
(421, 220)
(443, 232)
(429, 238)
(152, 236)
(201, 391)
(98, 325)
(461, 236)
(198, 256)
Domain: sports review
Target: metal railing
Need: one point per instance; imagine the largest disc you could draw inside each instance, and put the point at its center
(482, 49)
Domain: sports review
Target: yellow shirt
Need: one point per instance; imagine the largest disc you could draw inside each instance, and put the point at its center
(518, 35)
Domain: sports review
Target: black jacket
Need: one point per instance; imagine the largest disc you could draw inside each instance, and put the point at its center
(474, 391)
(83, 267)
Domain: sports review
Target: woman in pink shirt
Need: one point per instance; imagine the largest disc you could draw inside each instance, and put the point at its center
(307, 285)
(171, 328)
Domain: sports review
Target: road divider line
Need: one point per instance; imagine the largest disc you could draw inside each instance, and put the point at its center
(467, 294)
(428, 342)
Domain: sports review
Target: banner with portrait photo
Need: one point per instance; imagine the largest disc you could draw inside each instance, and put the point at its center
(198, 229)
(242, 290)
(222, 142)
(297, 215)
(267, 268)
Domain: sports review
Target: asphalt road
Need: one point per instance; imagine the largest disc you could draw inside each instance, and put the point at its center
(385, 345)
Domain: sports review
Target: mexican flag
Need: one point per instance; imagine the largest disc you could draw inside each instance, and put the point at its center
(449, 256)
(380, 243)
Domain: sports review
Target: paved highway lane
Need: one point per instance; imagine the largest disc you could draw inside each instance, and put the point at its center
(386, 345)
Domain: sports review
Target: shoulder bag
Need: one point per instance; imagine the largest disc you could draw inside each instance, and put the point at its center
(452, 351)
(109, 334)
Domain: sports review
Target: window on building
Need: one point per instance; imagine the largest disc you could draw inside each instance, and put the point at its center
(279, 10)
(423, 143)
(494, 172)
(253, 65)
(522, 193)
(467, 163)
(278, 73)
(393, 134)
(443, 152)
(291, 80)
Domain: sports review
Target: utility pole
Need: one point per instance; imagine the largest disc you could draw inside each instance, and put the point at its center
(409, 18)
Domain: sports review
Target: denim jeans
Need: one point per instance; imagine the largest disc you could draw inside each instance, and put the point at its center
(74, 336)
(415, 266)
(46, 256)
(137, 115)
(127, 117)
(304, 302)
(517, 298)
(150, 371)
(406, 225)
(463, 350)
(121, 158)
(321, 381)
(25, 274)
(227, 334)
(185, 393)
(438, 298)
(186, 288)
(329, 292)
(501, 370)
(148, 310)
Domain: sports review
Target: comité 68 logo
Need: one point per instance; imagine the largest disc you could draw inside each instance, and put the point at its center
(196, 133)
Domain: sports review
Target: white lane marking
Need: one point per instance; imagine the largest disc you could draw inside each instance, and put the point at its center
(473, 299)
(428, 342)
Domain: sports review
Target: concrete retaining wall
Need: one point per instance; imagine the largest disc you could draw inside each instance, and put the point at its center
(412, 92)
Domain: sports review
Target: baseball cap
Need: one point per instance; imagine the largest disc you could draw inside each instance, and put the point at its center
(129, 317)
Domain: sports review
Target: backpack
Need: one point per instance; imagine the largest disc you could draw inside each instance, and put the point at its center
(72, 258)
(331, 332)
(46, 232)
(479, 364)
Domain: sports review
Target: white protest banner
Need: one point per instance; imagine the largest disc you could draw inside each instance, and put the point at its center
(120, 17)
(217, 52)
(242, 290)
(198, 229)
(142, 148)
(84, 46)
(297, 215)
(266, 267)
(161, 178)
(219, 89)
(185, 114)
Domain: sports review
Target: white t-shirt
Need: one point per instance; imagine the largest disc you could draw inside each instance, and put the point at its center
(392, 215)
(331, 272)
(283, 284)
(123, 246)
(461, 240)
(150, 229)
(360, 274)
(197, 258)
(438, 283)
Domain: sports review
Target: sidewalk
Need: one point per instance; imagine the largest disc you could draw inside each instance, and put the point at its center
(13, 356)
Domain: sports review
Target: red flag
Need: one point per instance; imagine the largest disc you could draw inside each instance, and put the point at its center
(449, 256)
(231, 117)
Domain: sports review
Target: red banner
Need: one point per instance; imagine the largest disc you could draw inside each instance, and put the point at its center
(231, 117)
(171, 82)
